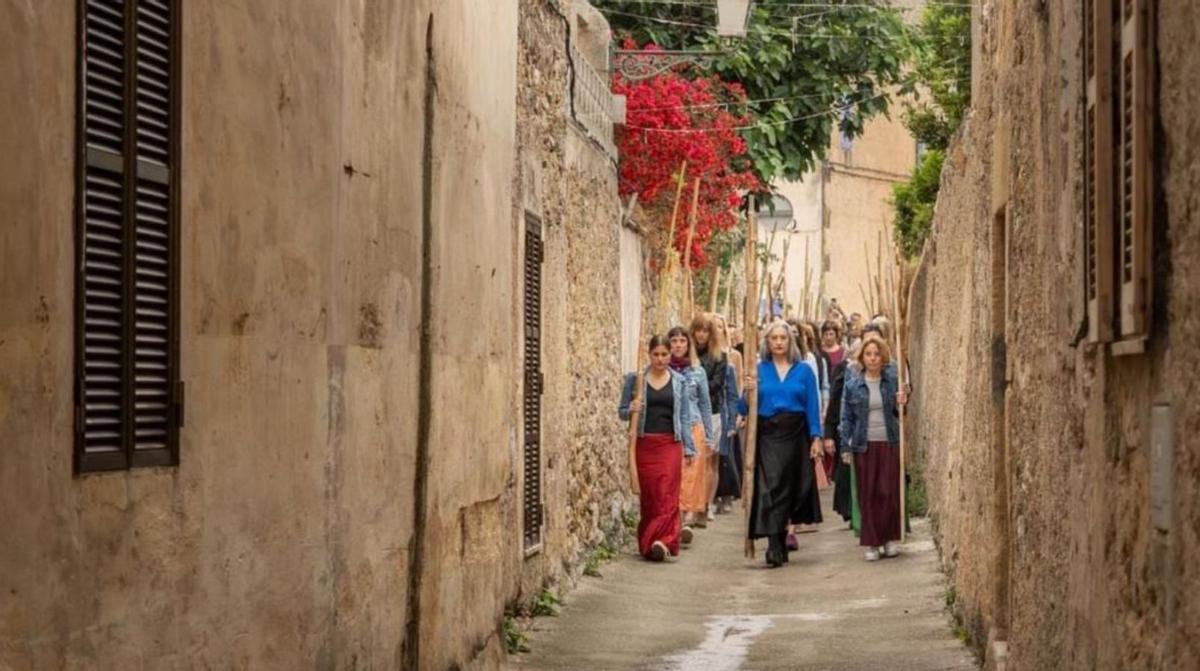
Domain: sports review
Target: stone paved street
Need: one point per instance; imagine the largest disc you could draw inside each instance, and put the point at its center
(713, 610)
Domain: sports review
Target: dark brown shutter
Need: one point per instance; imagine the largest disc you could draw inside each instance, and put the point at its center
(1098, 173)
(153, 239)
(1135, 168)
(127, 230)
(532, 401)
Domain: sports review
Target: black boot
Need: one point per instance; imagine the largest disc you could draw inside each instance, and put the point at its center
(775, 551)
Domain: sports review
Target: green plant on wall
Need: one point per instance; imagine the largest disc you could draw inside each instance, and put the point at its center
(914, 201)
(942, 68)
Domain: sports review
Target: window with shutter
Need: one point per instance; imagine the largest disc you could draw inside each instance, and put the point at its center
(1098, 173)
(532, 402)
(127, 391)
(1135, 186)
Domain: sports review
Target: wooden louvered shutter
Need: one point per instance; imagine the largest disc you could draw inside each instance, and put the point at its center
(532, 401)
(127, 402)
(154, 243)
(1098, 169)
(1136, 168)
(103, 260)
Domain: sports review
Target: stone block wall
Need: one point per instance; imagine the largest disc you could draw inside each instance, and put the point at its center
(569, 182)
(1043, 511)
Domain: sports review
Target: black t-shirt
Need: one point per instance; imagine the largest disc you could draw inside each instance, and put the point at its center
(714, 368)
(660, 409)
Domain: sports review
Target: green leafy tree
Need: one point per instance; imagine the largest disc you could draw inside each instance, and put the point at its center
(806, 70)
(942, 69)
(914, 201)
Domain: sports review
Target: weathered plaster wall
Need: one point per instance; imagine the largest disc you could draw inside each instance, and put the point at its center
(1094, 585)
(282, 540)
(859, 176)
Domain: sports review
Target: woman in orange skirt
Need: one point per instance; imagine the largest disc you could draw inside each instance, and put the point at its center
(693, 498)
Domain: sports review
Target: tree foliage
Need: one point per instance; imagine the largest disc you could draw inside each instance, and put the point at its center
(942, 68)
(914, 201)
(805, 70)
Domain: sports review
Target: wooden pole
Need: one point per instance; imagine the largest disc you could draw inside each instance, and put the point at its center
(639, 386)
(714, 288)
(902, 374)
(669, 253)
(729, 289)
(750, 364)
(686, 298)
(766, 264)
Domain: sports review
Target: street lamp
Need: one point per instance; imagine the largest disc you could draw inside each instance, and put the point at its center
(732, 17)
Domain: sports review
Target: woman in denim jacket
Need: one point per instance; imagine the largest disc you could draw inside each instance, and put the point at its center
(870, 435)
(694, 489)
(664, 441)
(722, 397)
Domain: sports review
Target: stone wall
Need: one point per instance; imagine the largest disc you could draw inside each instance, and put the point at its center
(569, 182)
(1043, 512)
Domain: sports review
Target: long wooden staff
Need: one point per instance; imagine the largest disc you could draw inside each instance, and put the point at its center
(750, 364)
(668, 254)
(714, 288)
(639, 387)
(901, 375)
(686, 295)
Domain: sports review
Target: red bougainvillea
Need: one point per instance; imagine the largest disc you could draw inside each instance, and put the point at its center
(669, 119)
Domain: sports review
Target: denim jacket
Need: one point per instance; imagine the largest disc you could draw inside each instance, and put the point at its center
(702, 410)
(684, 415)
(856, 407)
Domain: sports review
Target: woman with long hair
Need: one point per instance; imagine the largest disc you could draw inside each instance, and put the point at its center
(870, 435)
(693, 500)
(788, 440)
(664, 443)
(722, 395)
(729, 469)
(831, 343)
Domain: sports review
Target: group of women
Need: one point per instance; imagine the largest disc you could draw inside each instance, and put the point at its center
(827, 409)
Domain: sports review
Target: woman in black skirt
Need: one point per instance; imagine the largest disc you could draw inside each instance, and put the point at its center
(788, 442)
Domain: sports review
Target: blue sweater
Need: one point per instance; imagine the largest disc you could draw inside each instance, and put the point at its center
(798, 391)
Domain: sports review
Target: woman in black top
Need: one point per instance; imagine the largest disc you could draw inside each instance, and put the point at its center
(664, 441)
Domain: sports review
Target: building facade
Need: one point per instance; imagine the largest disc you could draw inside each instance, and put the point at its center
(1054, 415)
(270, 390)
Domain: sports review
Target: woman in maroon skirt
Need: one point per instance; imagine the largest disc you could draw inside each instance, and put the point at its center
(870, 432)
(664, 441)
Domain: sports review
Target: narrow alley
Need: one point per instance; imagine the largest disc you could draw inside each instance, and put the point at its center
(361, 335)
(719, 611)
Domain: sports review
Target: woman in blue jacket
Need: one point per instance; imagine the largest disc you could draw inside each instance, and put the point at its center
(664, 442)
(870, 434)
(788, 442)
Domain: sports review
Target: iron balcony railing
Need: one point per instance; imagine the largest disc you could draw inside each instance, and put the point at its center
(591, 102)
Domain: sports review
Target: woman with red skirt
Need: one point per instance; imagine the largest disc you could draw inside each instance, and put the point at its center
(870, 431)
(664, 442)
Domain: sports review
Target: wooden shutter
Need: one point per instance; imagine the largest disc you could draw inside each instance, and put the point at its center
(1136, 167)
(1098, 172)
(532, 401)
(154, 268)
(127, 278)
